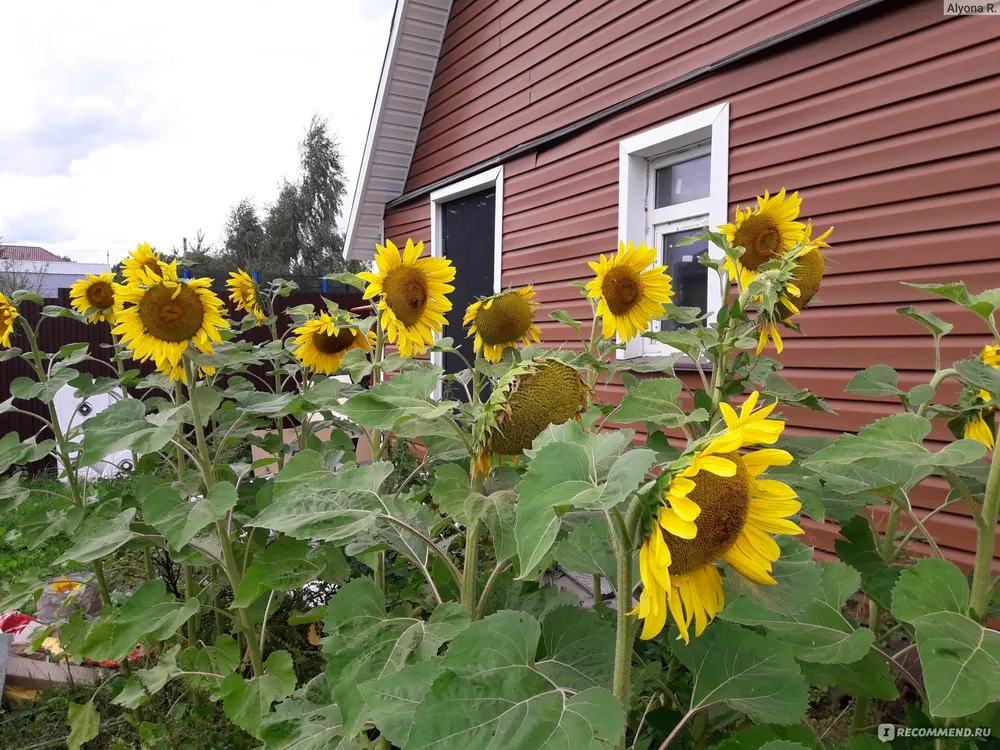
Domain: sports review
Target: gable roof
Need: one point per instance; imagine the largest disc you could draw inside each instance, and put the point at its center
(407, 73)
(31, 253)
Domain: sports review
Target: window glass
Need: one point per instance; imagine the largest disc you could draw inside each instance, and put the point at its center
(690, 278)
(683, 182)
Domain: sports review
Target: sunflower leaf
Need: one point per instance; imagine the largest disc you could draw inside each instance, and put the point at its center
(797, 578)
(125, 426)
(858, 549)
(574, 470)
(14, 451)
(982, 305)
(181, 520)
(746, 671)
(928, 320)
(981, 375)
(247, 702)
(960, 657)
(406, 396)
(820, 632)
(869, 677)
(565, 318)
(498, 697)
(656, 400)
(878, 380)
(84, 724)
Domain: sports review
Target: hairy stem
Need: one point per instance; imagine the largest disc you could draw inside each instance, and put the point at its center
(982, 583)
(469, 600)
(380, 571)
(623, 621)
(189, 594)
(597, 588)
(102, 583)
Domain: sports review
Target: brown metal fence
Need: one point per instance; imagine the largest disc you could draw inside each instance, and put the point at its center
(57, 332)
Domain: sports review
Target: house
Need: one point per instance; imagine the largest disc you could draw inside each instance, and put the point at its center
(39, 271)
(521, 138)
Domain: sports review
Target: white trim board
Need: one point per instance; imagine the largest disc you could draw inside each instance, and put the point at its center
(491, 178)
(635, 203)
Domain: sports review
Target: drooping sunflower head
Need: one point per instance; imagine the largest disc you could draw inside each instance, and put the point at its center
(8, 314)
(529, 398)
(810, 265)
(718, 508)
(631, 292)
(321, 343)
(144, 266)
(980, 424)
(412, 294)
(766, 231)
(243, 293)
(98, 297)
(503, 321)
(165, 317)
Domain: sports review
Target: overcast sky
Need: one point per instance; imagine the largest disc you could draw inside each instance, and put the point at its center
(130, 122)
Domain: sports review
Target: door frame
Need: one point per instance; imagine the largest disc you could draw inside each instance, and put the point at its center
(491, 178)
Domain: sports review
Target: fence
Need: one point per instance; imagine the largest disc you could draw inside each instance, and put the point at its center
(57, 332)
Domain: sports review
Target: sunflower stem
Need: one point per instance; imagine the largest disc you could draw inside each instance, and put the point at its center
(700, 730)
(623, 621)
(469, 599)
(597, 588)
(982, 583)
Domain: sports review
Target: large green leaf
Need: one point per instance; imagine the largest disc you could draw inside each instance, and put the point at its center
(84, 724)
(656, 400)
(453, 493)
(748, 672)
(309, 720)
(578, 649)
(14, 451)
(878, 380)
(247, 702)
(756, 738)
(406, 396)
(150, 611)
(928, 320)
(587, 549)
(981, 375)
(392, 700)
(26, 388)
(869, 677)
(796, 575)
(495, 697)
(982, 304)
(819, 632)
(896, 438)
(220, 658)
(317, 503)
(365, 644)
(147, 682)
(583, 471)
(960, 658)
(527, 596)
(124, 425)
(858, 549)
(181, 520)
(100, 534)
(284, 565)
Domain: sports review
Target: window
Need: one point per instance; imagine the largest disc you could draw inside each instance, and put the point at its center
(673, 182)
(466, 226)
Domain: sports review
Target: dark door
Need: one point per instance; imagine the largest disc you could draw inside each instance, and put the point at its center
(468, 228)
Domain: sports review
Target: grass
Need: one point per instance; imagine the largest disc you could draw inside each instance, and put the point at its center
(16, 556)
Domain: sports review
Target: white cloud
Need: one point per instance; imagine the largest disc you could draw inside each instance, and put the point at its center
(124, 123)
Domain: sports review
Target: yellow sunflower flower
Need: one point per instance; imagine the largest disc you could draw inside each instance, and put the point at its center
(766, 231)
(144, 266)
(8, 314)
(979, 428)
(630, 294)
(736, 513)
(165, 317)
(321, 344)
(97, 296)
(413, 294)
(503, 321)
(810, 265)
(176, 372)
(243, 293)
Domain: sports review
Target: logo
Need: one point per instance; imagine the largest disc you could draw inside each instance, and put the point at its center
(887, 732)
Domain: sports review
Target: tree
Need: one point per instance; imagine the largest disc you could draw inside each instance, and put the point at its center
(244, 240)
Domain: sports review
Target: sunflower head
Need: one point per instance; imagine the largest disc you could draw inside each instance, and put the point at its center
(766, 231)
(412, 294)
(243, 293)
(320, 344)
(991, 356)
(145, 266)
(98, 297)
(529, 398)
(167, 316)
(503, 321)
(629, 290)
(716, 508)
(810, 265)
(8, 314)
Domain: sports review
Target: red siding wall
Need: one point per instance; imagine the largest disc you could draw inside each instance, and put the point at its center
(890, 129)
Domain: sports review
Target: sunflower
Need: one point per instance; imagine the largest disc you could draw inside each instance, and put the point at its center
(8, 314)
(413, 293)
(176, 371)
(736, 513)
(810, 265)
(529, 398)
(321, 344)
(98, 297)
(243, 293)
(144, 266)
(630, 293)
(168, 315)
(980, 426)
(766, 231)
(502, 321)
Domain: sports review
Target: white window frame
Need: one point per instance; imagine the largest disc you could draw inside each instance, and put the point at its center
(491, 178)
(638, 158)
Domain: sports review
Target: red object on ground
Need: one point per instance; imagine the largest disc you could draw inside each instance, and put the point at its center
(14, 621)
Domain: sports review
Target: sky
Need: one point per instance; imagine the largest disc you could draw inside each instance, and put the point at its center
(123, 123)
